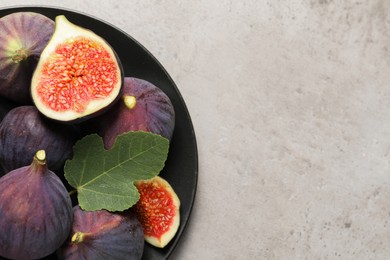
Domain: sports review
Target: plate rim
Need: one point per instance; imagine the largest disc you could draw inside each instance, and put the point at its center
(184, 222)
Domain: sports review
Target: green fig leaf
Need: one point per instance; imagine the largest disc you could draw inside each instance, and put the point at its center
(104, 178)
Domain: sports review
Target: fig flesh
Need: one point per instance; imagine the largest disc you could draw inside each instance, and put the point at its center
(24, 130)
(23, 36)
(103, 235)
(158, 210)
(78, 75)
(35, 211)
(142, 107)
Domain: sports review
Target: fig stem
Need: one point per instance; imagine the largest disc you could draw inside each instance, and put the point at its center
(72, 192)
(39, 161)
(40, 157)
(19, 55)
(130, 101)
(79, 236)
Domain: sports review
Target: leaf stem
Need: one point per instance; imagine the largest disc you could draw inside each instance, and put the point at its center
(72, 192)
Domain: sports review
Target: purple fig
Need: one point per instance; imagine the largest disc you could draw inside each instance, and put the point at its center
(35, 211)
(23, 35)
(143, 107)
(24, 130)
(103, 235)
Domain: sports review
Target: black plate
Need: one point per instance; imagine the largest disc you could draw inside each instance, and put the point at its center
(181, 169)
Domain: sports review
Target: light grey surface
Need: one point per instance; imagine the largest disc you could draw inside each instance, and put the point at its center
(291, 106)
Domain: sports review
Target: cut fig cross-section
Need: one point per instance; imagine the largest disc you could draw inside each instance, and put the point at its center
(158, 210)
(78, 75)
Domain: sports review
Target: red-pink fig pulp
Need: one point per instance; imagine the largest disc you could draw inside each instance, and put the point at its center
(23, 36)
(78, 75)
(158, 210)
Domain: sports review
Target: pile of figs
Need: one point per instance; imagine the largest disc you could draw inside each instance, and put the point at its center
(58, 83)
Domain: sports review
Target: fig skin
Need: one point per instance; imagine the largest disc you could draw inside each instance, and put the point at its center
(23, 36)
(142, 107)
(24, 130)
(78, 76)
(103, 235)
(35, 211)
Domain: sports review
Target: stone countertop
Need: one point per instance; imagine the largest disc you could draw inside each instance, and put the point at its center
(290, 101)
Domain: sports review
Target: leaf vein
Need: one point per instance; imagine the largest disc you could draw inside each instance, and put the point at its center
(116, 166)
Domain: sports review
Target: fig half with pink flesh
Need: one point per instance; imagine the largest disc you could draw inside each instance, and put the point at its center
(23, 36)
(78, 75)
(158, 210)
(142, 107)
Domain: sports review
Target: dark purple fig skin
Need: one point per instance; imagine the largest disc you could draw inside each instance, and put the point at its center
(153, 112)
(35, 212)
(107, 236)
(24, 130)
(23, 36)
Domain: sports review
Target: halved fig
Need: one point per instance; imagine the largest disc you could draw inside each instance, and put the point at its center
(78, 74)
(23, 36)
(158, 210)
(142, 107)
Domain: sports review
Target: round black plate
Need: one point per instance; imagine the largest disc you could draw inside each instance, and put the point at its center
(181, 169)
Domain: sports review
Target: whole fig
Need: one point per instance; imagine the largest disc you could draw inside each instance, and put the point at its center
(101, 235)
(24, 130)
(35, 211)
(143, 107)
(23, 35)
